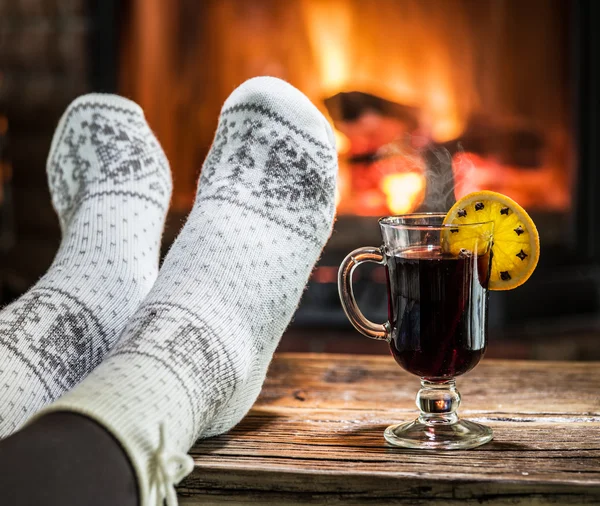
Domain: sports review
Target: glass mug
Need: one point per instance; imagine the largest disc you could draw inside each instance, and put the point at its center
(437, 310)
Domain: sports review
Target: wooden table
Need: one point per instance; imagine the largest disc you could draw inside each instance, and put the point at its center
(315, 437)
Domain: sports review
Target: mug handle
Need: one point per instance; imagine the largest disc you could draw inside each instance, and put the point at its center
(366, 327)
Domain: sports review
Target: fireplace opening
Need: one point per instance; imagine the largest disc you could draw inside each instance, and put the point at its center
(430, 100)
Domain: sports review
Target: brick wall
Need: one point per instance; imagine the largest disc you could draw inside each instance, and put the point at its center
(44, 58)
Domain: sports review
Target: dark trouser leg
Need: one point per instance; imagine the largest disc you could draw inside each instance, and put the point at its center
(65, 459)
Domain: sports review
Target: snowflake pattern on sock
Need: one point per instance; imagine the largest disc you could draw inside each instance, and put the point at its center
(122, 147)
(296, 193)
(110, 185)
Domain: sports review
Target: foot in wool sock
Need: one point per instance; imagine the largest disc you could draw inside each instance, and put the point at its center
(194, 357)
(111, 186)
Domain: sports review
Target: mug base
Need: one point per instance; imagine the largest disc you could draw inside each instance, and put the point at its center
(461, 435)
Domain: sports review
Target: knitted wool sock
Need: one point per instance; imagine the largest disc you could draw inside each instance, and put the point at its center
(193, 358)
(111, 186)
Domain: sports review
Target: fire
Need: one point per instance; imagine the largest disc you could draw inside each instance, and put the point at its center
(473, 173)
(338, 197)
(342, 142)
(329, 26)
(403, 191)
(410, 65)
(446, 61)
(350, 55)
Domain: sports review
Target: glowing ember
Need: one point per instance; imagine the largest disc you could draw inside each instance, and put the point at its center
(342, 143)
(403, 191)
(474, 173)
(392, 184)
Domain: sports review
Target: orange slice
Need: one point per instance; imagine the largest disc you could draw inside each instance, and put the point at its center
(516, 242)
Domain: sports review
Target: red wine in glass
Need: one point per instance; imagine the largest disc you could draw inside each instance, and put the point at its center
(437, 305)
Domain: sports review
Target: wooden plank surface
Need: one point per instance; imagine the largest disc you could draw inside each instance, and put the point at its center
(315, 437)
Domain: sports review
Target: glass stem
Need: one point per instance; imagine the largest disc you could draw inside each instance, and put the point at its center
(438, 402)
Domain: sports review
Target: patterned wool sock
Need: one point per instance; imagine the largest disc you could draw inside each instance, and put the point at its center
(192, 360)
(111, 185)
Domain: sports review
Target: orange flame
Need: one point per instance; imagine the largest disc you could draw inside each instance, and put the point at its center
(403, 191)
(350, 54)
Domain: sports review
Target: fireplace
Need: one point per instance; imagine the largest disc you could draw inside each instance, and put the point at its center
(422, 94)
(429, 99)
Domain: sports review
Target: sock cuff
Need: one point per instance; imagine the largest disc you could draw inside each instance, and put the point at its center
(133, 406)
(157, 467)
(141, 473)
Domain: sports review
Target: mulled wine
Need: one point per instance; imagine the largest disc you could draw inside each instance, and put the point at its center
(438, 276)
(437, 305)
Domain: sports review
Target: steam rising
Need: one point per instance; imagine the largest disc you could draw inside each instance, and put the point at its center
(446, 175)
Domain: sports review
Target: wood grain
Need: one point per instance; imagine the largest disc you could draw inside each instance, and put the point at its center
(315, 437)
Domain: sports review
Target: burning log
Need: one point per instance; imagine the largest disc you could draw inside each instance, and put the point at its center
(513, 158)
(348, 107)
(511, 144)
(370, 122)
(388, 161)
